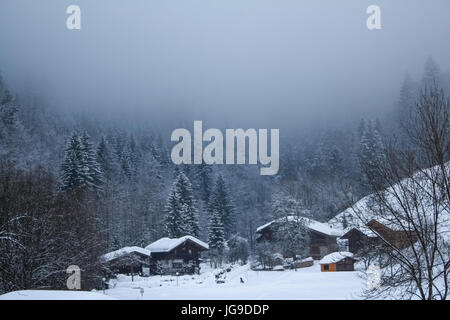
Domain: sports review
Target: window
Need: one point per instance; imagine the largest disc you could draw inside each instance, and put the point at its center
(326, 267)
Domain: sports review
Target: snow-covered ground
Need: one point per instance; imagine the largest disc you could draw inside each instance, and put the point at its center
(54, 295)
(306, 283)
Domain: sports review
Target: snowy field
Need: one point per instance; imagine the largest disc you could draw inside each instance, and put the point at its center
(54, 295)
(306, 283)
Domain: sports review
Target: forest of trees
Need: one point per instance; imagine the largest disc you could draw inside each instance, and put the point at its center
(72, 188)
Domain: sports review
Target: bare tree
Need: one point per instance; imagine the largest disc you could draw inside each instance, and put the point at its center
(409, 207)
(44, 231)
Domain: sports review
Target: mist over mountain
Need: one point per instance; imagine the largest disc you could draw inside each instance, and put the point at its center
(293, 65)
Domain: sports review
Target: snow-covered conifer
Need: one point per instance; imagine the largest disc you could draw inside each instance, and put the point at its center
(222, 204)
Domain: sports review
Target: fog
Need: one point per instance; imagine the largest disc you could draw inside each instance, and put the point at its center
(255, 63)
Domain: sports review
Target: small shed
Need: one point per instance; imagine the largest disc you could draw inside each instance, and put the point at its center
(303, 263)
(338, 261)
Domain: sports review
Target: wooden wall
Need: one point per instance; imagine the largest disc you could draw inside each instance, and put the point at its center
(346, 264)
(331, 267)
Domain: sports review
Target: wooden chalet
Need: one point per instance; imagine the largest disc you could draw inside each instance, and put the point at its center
(390, 234)
(337, 261)
(359, 240)
(364, 238)
(363, 231)
(322, 236)
(128, 260)
(176, 255)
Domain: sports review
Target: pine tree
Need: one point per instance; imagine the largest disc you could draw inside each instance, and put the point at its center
(13, 135)
(92, 174)
(407, 97)
(319, 159)
(188, 205)
(5, 94)
(361, 127)
(174, 222)
(202, 184)
(405, 104)
(222, 203)
(115, 245)
(335, 160)
(80, 170)
(365, 148)
(203, 181)
(6, 97)
(163, 153)
(155, 171)
(181, 209)
(371, 151)
(431, 75)
(104, 159)
(134, 156)
(284, 205)
(125, 165)
(72, 170)
(121, 157)
(216, 236)
(190, 226)
(288, 171)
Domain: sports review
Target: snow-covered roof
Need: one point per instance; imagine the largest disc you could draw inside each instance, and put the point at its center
(168, 244)
(277, 256)
(264, 226)
(336, 257)
(124, 251)
(363, 229)
(307, 259)
(357, 217)
(323, 228)
(310, 223)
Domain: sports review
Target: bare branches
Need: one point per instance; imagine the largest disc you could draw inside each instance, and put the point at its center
(43, 232)
(410, 204)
